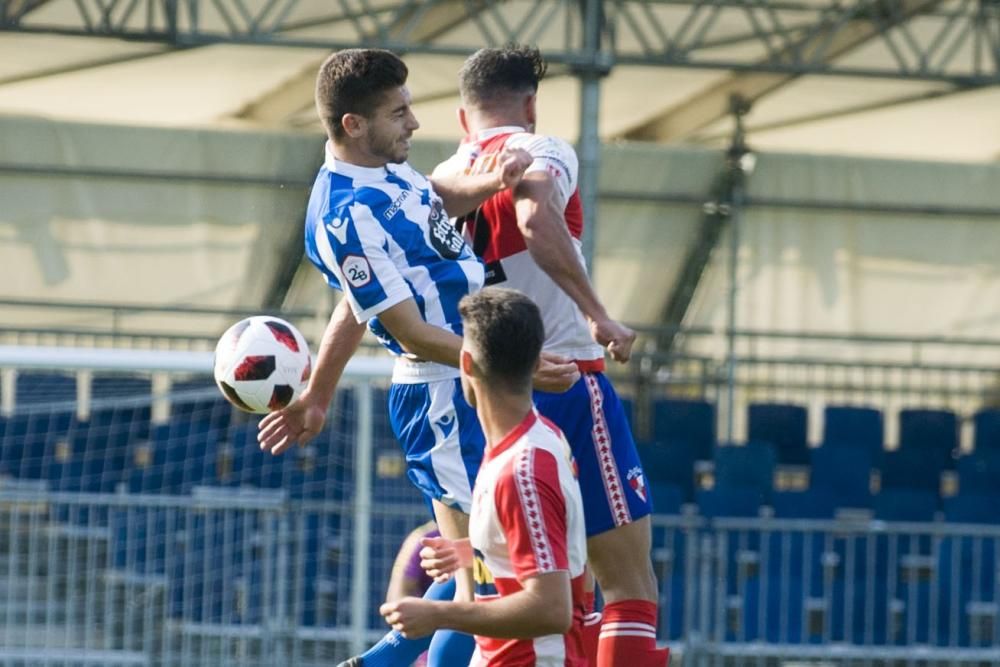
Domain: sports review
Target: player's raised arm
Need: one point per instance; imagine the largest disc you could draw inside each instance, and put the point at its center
(539, 207)
(463, 193)
(303, 420)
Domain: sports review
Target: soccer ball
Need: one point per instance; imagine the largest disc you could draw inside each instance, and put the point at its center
(262, 364)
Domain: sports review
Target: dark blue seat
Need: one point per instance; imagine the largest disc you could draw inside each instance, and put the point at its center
(979, 472)
(750, 466)
(910, 469)
(973, 507)
(38, 387)
(933, 432)
(855, 427)
(903, 504)
(118, 385)
(667, 498)
(843, 473)
(669, 462)
(24, 439)
(987, 429)
(692, 422)
(810, 504)
(967, 576)
(784, 426)
(729, 502)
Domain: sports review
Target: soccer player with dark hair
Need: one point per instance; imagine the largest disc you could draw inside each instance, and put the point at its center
(529, 238)
(378, 230)
(526, 527)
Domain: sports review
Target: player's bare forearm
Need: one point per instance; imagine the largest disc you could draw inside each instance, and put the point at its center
(462, 193)
(419, 338)
(545, 233)
(340, 341)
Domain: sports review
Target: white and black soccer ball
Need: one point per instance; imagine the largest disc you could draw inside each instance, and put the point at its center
(262, 364)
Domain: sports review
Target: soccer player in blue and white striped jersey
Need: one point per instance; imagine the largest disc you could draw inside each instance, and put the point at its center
(379, 231)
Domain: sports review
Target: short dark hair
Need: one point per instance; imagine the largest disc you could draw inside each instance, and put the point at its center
(489, 73)
(353, 81)
(506, 331)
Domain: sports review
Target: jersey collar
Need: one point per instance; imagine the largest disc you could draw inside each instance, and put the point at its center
(495, 450)
(352, 170)
(491, 132)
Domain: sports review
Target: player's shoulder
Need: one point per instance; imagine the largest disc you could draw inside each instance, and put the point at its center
(541, 144)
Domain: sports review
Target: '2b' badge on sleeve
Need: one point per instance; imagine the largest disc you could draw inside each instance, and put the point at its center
(357, 271)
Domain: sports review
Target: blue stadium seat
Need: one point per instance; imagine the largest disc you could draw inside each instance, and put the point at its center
(905, 504)
(973, 507)
(669, 462)
(987, 429)
(784, 426)
(933, 432)
(692, 422)
(750, 466)
(729, 502)
(38, 387)
(854, 426)
(979, 472)
(24, 438)
(811, 504)
(844, 473)
(667, 498)
(911, 469)
(119, 385)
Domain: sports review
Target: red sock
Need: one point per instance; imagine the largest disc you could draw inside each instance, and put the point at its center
(591, 629)
(628, 636)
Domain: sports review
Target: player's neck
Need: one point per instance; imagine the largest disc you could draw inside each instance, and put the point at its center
(484, 121)
(500, 413)
(353, 154)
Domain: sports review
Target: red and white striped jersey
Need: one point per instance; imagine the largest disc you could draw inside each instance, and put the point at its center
(493, 233)
(526, 520)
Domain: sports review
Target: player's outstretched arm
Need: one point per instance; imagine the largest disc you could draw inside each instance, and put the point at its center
(303, 420)
(543, 607)
(540, 219)
(462, 193)
(432, 343)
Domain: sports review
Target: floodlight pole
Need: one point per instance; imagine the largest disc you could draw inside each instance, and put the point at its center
(739, 162)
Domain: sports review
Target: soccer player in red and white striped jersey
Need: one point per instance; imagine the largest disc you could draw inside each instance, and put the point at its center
(527, 542)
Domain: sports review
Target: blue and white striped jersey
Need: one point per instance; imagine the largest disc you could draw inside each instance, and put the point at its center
(382, 236)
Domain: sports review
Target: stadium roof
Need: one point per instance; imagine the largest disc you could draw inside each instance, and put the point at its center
(913, 79)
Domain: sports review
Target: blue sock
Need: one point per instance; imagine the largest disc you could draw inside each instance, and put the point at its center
(450, 648)
(395, 650)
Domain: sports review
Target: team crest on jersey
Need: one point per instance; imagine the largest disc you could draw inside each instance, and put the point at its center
(357, 271)
(637, 481)
(446, 240)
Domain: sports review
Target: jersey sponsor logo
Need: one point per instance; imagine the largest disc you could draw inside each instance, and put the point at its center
(637, 482)
(396, 205)
(357, 270)
(444, 238)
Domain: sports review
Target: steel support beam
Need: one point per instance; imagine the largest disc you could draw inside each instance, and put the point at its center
(782, 38)
(833, 38)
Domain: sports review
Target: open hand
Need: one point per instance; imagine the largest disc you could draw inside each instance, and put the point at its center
(299, 423)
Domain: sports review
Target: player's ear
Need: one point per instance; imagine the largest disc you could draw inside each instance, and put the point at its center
(355, 125)
(466, 363)
(463, 120)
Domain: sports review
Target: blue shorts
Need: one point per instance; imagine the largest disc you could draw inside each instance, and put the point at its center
(612, 482)
(441, 439)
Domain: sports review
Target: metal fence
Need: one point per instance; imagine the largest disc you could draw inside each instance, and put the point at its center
(223, 577)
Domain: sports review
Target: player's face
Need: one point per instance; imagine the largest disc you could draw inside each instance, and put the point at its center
(391, 126)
